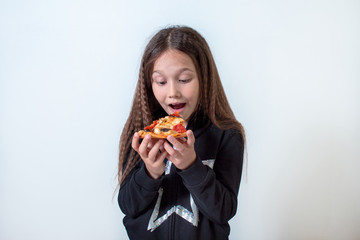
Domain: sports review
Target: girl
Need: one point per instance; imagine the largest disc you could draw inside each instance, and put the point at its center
(180, 188)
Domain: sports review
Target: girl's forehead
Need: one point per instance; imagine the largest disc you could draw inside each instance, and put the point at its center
(173, 59)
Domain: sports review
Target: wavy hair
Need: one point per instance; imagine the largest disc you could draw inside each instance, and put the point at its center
(212, 103)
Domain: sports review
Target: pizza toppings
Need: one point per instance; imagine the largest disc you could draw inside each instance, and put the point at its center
(151, 126)
(175, 114)
(170, 125)
(179, 128)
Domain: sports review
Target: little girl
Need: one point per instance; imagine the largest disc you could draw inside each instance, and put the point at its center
(180, 188)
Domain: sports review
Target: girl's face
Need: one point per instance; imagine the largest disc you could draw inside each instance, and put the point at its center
(175, 83)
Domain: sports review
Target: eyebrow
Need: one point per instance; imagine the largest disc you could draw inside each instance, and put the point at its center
(179, 72)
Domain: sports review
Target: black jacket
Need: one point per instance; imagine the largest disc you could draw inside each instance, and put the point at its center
(196, 203)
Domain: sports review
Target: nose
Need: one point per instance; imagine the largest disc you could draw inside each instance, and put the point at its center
(174, 91)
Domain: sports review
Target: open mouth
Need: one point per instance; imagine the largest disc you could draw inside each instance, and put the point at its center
(177, 106)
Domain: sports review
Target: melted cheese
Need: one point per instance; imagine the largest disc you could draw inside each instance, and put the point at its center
(157, 130)
(167, 122)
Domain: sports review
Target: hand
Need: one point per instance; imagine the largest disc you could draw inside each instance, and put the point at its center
(182, 155)
(152, 153)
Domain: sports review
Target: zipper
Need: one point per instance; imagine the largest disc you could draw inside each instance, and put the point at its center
(174, 198)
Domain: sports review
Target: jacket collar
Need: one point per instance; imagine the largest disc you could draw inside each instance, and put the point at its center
(198, 123)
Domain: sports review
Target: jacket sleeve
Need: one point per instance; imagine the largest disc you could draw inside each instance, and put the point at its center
(138, 191)
(215, 190)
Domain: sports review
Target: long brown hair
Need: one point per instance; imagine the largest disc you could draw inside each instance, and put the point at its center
(212, 99)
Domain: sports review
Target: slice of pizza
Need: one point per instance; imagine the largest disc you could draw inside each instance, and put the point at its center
(170, 125)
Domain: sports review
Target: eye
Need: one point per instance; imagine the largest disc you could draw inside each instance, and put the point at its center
(160, 82)
(184, 80)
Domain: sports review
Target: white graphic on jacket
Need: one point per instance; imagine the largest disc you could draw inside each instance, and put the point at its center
(190, 216)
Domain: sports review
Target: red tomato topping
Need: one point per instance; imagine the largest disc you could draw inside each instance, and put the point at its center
(175, 114)
(152, 125)
(179, 128)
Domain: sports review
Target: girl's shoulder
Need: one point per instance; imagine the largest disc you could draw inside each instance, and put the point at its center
(231, 132)
(219, 137)
(205, 128)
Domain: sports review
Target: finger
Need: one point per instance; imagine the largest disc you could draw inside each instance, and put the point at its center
(152, 143)
(144, 144)
(176, 144)
(135, 142)
(162, 148)
(191, 137)
(172, 159)
(162, 156)
(155, 150)
(170, 150)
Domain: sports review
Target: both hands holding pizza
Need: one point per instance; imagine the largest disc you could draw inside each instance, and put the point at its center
(153, 151)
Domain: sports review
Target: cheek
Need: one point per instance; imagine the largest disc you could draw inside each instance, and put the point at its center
(195, 93)
(158, 94)
(155, 92)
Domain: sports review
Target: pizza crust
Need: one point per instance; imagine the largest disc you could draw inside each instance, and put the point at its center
(142, 134)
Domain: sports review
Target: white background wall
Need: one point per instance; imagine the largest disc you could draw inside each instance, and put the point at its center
(68, 71)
